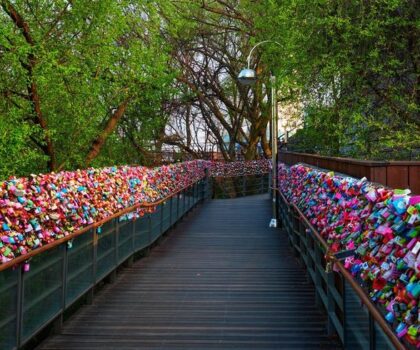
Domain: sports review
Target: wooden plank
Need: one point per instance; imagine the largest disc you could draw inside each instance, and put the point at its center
(221, 280)
(397, 176)
(414, 179)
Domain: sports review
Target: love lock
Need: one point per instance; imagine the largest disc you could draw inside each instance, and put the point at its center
(328, 267)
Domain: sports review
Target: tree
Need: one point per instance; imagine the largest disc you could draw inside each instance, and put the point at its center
(356, 65)
(72, 70)
(209, 60)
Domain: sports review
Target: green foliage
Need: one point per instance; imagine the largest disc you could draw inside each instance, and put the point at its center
(17, 157)
(355, 66)
(90, 56)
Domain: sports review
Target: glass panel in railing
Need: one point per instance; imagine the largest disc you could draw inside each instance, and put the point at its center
(8, 311)
(106, 254)
(181, 208)
(174, 216)
(166, 215)
(79, 266)
(381, 340)
(181, 201)
(189, 198)
(156, 223)
(196, 192)
(193, 193)
(141, 232)
(209, 189)
(356, 321)
(42, 291)
(125, 239)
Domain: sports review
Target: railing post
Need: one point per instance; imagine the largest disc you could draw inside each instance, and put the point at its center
(133, 237)
(95, 254)
(302, 242)
(372, 333)
(58, 322)
(150, 228)
(130, 261)
(177, 207)
(111, 278)
(170, 210)
(90, 293)
(162, 211)
(344, 296)
(279, 219)
(196, 199)
(116, 241)
(206, 184)
(318, 277)
(19, 307)
(330, 303)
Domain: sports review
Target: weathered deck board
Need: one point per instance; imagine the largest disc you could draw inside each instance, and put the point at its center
(221, 280)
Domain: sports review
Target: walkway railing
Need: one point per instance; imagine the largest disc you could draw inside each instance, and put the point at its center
(240, 186)
(59, 275)
(395, 174)
(351, 314)
(67, 273)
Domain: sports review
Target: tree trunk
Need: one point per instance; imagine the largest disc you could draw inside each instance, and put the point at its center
(253, 141)
(112, 122)
(265, 144)
(19, 22)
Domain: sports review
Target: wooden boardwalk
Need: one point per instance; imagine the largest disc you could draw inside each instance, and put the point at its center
(220, 280)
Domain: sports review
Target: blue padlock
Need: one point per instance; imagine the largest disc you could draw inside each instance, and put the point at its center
(390, 317)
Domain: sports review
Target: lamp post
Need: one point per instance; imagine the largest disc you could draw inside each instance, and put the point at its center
(248, 76)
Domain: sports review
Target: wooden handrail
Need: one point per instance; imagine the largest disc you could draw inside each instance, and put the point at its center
(303, 217)
(370, 163)
(22, 258)
(377, 316)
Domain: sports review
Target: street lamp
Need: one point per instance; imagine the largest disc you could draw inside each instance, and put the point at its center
(248, 77)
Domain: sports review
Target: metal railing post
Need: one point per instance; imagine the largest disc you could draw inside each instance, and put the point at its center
(90, 293)
(162, 211)
(318, 277)
(149, 219)
(372, 333)
(19, 307)
(177, 207)
(170, 211)
(330, 303)
(58, 323)
(117, 241)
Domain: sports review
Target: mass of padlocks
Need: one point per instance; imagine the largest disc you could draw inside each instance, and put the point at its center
(381, 226)
(240, 168)
(40, 209)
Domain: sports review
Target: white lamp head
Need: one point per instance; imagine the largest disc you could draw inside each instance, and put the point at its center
(247, 76)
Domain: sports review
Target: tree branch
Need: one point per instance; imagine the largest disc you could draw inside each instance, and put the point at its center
(111, 123)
